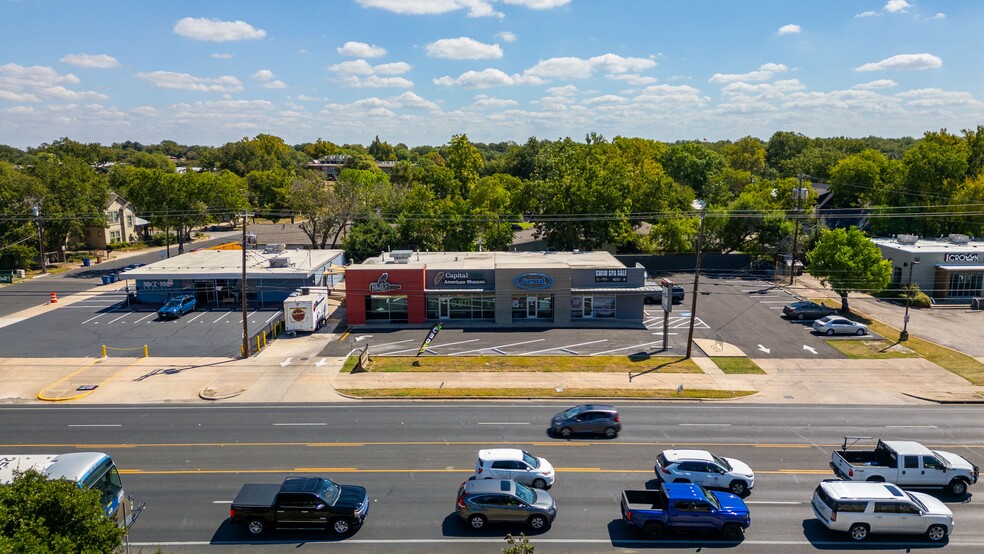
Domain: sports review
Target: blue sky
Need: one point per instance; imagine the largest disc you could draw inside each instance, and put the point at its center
(420, 71)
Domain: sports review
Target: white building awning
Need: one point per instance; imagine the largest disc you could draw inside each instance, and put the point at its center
(138, 221)
(947, 267)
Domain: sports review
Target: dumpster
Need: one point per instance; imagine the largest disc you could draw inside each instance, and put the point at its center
(105, 279)
(86, 262)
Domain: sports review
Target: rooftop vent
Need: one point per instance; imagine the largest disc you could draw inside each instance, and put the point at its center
(906, 239)
(403, 255)
(280, 261)
(274, 248)
(956, 238)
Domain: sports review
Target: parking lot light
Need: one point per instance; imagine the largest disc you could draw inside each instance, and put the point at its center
(904, 335)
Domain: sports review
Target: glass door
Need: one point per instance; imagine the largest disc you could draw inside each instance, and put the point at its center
(444, 307)
(531, 307)
(588, 311)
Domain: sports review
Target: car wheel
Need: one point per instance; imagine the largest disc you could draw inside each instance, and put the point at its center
(936, 533)
(800, 317)
(539, 484)
(610, 433)
(537, 521)
(476, 521)
(860, 332)
(256, 526)
(957, 487)
(653, 530)
(732, 531)
(566, 432)
(830, 332)
(341, 526)
(858, 532)
(738, 487)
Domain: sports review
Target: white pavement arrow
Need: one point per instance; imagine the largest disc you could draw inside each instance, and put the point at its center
(286, 362)
(764, 349)
(321, 362)
(362, 337)
(810, 348)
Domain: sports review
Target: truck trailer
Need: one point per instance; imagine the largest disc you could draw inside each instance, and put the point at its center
(307, 310)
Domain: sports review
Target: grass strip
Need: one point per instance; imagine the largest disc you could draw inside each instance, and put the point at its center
(545, 364)
(543, 393)
(737, 365)
(872, 349)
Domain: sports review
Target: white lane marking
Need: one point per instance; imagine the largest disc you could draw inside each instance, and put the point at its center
(286, 362)
(773, 302)
(362, 338)
(250, 314)
(145, 317)
(121, 317)
(810, 348)
(704, 424)
(222, 316)
(643, 345)
(563, 347)
(230, 502)
(91, 318)
(273, 316)
(97, 425)
(764, 349)
(432, 346)
(502, 423)
(497, 347)
(392, 343)
(299, 424)
(321, 362)
(911, 427)
(197, 316)
(617, 542)
(776, 502)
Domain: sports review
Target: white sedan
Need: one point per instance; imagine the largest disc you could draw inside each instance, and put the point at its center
(700, 467)
(838, 325)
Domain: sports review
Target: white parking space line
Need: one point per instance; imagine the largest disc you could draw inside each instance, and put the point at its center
(145, 317)
(434, 346)
(250, 314)
(121, 317)
(230, 502)
(643, 345)
(299, 424)
(704, 424)
(222, 316)
(563, 347)
(98, 425)
(392, 343)
(497, 347)
(91, 318)
(910, 427)
(198, 316)
(273, 316)
(773, 301)
(502, 423)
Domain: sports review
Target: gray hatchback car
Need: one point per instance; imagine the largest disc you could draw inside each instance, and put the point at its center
(500, 500)
(595, 419)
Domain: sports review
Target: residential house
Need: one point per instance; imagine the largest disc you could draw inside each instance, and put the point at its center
(122, 225)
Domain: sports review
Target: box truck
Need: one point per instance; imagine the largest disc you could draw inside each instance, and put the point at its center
(306, 310)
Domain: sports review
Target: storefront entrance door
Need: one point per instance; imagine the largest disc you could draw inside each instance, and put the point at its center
(531, 307)
(588, 310)
(444, 308)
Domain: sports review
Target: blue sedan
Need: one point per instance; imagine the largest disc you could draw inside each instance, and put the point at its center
(177, 307)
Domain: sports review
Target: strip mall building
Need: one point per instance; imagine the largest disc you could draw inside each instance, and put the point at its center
(547, 289)
(950, 270)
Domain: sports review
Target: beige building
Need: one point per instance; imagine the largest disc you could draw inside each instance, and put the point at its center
(122, 225)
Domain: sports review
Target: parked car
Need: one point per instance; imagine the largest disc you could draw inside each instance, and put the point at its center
(700, 467)
(837, 325)
(685, 507)
(500, 500)
(807, 310)
(657, 296)
(177, 307)
(300, 502)
(861, 509)
(131, 266)
(515, 464)
(587, 418)
(905, 463)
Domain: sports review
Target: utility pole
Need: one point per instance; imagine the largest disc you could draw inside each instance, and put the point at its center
(37, 220)
(167, 230)
(904, 335)
(698, 205)
(244, 215)
(798, 194)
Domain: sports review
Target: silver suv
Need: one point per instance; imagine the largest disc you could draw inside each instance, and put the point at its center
(499, 500)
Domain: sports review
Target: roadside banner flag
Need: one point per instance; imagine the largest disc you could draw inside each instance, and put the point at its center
(430, 336)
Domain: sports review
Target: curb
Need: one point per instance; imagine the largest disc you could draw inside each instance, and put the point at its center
(204, 394)
(945, 401)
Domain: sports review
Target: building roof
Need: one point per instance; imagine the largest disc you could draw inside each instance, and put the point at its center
(493, 260)
(227, 264)
(928, 245)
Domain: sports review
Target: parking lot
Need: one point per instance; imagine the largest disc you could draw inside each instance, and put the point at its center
(82, 328)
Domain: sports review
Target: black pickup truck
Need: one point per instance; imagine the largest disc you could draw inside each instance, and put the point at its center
(300, 503)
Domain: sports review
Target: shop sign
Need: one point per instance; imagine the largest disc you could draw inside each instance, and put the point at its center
(533, 281)
(298, 314)
(963, 257)
(611, 275)
(383, 285)
(156, 284)
(459, 278)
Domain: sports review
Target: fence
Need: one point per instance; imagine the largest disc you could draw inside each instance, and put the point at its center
(268, 333)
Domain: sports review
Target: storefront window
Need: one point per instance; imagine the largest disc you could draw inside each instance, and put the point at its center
(532, 307)
(592, 306)
(965, 284)
(604, 306)
(461, 307)
(387, 308)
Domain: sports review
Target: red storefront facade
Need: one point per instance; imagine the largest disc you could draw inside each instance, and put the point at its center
(390, 294)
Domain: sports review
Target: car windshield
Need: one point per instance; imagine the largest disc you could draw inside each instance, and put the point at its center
(530, 460)
(329, 490)
(525, 494)
(917, 501)
(173, 303)
(711, 498)
(572, 411)
(722, 462)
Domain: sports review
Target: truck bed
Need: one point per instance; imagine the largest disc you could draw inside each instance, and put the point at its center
(644, 500)
(870, 458)
(256, 496)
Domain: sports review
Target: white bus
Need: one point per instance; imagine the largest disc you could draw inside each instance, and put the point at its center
(90, 470)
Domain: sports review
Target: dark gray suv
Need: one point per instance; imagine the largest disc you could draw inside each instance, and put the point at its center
(594, 419)
(501, 500)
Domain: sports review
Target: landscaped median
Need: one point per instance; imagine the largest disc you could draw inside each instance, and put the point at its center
(530, 377)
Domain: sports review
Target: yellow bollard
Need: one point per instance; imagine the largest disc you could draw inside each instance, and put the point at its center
(258, 343)
(104, 350)
(264, 339)
(146, 352)
(242, 353)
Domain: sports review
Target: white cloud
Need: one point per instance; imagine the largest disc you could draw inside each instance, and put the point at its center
(661, 95)
(476, 8)
(634, 80)
(869, 13)
(95, 61)
(12, 96)
(354, 67)
(20, 83)
(407, 100)
(361, 74)
(268, 79)
(395, 68)
(375, 81)
(63, 93)
(184, 81)
(604, 99)
(777, 89)
(934, 97)
(263, 75)
(275, 84)
(903, 61)
(487, 78)
(506, 36)
(222, 56)
(566, 90)
(897, 6)
(876, 84)
(216, 30)
(539, 4)
(763, 73)
(939, 15)
(361, 50)
(483, 101)
(306, 98)
(789, 29)
(580, 68)
(462, 48)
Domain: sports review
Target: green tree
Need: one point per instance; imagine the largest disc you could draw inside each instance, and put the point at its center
(73, 196)
(18, 237)
(858, 179)
(521, 545)
(382, 151)
(969, 197)
(695, 165)
(464, 161)
(319, 149)
(418, 223)
(268, 190)
(38, 515)
(747, 154)
(848, 261)
(491, 199)
(783, 146)
(369, 237)
(315, 202)
(975, 144)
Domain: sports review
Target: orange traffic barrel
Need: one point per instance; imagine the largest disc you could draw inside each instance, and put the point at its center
(54, 298)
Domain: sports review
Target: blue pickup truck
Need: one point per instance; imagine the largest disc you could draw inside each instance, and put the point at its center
(685, 507)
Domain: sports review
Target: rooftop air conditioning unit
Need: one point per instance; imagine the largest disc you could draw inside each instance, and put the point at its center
(907, 239)
(957, 238)
(401, 254)
(280, 261)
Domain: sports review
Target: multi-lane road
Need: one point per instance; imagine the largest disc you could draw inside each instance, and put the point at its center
(187, 463)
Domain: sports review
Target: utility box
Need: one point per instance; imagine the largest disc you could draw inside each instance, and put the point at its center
(307, 310)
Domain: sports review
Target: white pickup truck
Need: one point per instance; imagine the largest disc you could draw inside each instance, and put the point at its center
(905, 463)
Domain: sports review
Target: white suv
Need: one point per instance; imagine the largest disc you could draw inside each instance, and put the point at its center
(700, 467)
(515, 464)
(861, 508)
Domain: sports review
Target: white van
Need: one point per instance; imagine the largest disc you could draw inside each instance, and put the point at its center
(861, 508)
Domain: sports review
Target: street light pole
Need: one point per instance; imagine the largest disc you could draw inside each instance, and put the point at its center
(698, 205)
(243, 291)
(904, 335)
(798, 193)
(36, 209)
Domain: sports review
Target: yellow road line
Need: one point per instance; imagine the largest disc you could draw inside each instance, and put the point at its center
(557, 443)
(417, 470)
(345, 334)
